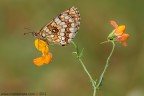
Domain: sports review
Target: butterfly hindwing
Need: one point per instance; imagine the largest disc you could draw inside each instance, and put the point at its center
(62, 29)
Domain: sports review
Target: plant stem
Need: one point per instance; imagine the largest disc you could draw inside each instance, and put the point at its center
(85, 69)
(94, 84)
(90, 77)
(78, 53)
(106, 66)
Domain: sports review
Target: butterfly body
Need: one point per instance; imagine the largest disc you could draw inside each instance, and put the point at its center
(62, 29)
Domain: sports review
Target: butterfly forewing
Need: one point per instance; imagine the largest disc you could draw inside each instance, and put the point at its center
(62, 29)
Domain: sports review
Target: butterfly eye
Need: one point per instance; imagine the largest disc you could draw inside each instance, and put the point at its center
(35, 34)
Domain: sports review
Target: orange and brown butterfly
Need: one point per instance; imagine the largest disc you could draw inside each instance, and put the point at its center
(61, 30)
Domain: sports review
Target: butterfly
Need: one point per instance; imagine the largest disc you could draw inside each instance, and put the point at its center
(62, 29)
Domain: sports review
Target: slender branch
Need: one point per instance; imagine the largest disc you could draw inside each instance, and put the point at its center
(94, 83)
(85, 69)
(79, 54)
(106, 66)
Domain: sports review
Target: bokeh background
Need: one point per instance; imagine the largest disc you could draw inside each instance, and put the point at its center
(64, 76)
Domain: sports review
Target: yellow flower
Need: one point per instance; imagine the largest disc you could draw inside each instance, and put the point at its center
(46, 56)
(119, 33)
(123, 39)
(41, 46)
(43, 60)
(120, 30)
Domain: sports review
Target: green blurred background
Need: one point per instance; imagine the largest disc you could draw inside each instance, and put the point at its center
(64, 76)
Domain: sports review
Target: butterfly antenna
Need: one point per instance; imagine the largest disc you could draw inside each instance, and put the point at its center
(29, 29)
(29, 32)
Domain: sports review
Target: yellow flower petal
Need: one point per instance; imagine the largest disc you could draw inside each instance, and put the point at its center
(123, 39)
(48, 58)
(39, 61)
(44, 50)
(119, 31)
(124, 43)
(114, 24)
(41, 45)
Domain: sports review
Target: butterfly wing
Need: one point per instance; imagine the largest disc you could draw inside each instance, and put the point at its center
(62, 29)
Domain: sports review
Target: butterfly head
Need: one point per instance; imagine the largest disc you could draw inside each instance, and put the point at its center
(36, 35)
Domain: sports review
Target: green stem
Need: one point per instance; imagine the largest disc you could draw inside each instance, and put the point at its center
(94, 84)
(90, 77)
(85, 69)
(106, 66)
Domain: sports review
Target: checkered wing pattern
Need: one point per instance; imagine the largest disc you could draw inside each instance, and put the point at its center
(62, 29)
